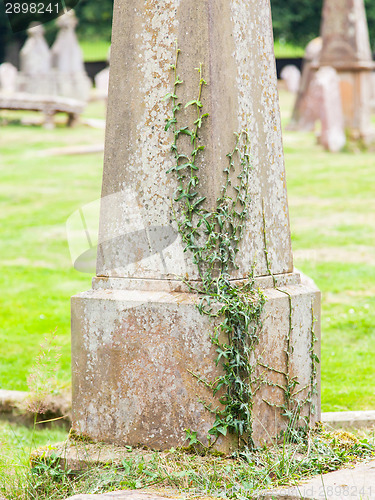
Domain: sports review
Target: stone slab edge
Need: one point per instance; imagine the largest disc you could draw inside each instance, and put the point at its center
(349, 419)
(357, 483)
(13, 408)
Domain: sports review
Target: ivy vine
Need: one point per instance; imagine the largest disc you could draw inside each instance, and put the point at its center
(292, 406)
(213, 239)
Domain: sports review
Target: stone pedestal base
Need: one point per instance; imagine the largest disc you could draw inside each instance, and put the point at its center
(136, 346)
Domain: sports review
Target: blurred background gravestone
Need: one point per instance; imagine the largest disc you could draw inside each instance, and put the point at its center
(326, 104)
(69, 72)
(292, 77)
(300, 119)
(8, 78)
(346, 48)
(50, 81)
(137, 336)
(35, 75)
(102, 80)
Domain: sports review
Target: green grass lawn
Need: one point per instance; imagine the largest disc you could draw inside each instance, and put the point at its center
(332, 212)
(332, 207)
(16, 441)
(38, 192)
(96, 50)
(284, 49)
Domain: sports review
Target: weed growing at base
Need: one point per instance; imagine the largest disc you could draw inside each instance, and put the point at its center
(177, 472)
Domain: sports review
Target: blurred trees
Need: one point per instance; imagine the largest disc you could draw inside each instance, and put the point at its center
(95, 19)
(295, 21)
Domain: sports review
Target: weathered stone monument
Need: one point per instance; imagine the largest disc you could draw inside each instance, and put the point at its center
(346, 48)
(67, 61)
(140, 347)
(35, 64)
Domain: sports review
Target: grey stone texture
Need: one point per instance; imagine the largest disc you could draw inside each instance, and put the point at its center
(356, 483)
(350, 419)
(123, 336)
(244, 96)
(137, 336)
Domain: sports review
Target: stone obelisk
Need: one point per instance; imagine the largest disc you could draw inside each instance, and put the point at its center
(138, 336)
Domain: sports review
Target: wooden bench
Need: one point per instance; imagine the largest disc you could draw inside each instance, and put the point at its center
(48, 105)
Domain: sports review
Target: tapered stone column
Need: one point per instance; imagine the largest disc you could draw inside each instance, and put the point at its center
(137, 336)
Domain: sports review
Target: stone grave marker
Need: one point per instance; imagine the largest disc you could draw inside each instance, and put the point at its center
(8, 78)
(102, 80)
(299, 119)
(292, 76)
(140, 347)
(325, 97)
(67, 61)
(35, 64)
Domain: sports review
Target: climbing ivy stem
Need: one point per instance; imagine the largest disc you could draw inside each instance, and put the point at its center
(212, 237)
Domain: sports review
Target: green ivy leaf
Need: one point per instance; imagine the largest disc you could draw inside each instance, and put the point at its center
(170, 95)
(169, 123)
(194, 102)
